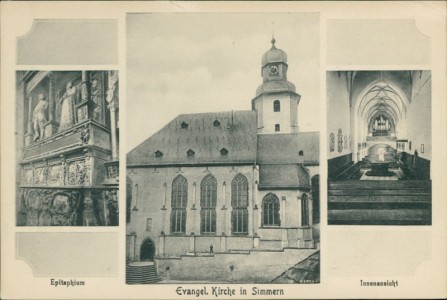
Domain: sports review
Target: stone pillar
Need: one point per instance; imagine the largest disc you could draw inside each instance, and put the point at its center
(223, 243)
(224, 209)
(256, 241)
(255, 208)
(161, 245)
(29, 127)
(51, 126)
(164, 210)
(224, 186)
(284, 239)
(85, 86)
(84, 110)
(193, 209)
(192, 244)
(113, 107)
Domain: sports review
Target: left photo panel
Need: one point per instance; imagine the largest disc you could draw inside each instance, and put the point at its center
(67, 138)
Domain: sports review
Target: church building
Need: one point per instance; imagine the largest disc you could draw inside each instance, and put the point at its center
(226, 196)
(379, 147)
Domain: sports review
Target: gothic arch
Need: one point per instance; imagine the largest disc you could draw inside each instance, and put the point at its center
(147, 250)
(270, 210)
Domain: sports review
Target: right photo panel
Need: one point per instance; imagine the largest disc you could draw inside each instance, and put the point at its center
(379, 148)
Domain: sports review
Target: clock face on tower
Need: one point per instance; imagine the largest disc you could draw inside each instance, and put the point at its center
(273, 71)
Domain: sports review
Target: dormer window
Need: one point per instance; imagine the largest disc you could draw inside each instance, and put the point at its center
(276, 106)
(301, 153)
(158, 153)
(216, 123)
(184, 125)
(223, 151)
(190, 153)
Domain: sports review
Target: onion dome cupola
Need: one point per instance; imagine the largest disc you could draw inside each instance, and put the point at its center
(276, 100)
(274, 71)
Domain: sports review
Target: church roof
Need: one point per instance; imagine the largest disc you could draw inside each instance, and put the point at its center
(286, 148)
(276, 86)
(283, 176)
(274, 55)
(200, 138)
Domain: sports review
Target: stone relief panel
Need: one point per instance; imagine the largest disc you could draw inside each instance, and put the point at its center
(43, 207)
(60, 207)
(112, 171)
(40, 175)
(56, 174)
(78, 172)
(27, 177)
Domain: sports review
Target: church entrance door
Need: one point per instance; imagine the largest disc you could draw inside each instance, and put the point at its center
(147, 252)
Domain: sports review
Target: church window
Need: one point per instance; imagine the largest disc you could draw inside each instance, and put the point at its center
(276, 106)
(301, 153)
(208, 199)
(304, 210)
(158, 153)
(148, 224)
(216, 123)
(223, 151)
(184, 125)
(270, 210)
(179, 202)
(277, 127)
(190, 153)
(239, 202)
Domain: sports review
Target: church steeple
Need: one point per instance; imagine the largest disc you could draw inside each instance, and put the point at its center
(276, 99)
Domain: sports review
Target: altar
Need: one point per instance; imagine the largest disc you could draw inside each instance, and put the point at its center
(379, 169)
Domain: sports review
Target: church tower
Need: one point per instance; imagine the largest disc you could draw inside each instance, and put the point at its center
(276, 100)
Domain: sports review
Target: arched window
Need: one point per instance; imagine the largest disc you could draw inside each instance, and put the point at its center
(179, 201)
(277, 127)
(208, 199)
(148, 224)
(270, 210)
(276, 106)
(239, 202)
(304, 210)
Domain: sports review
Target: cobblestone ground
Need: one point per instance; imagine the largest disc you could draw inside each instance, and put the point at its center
(306, 271)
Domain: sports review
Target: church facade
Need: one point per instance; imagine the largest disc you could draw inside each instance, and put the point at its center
(67, 148)
(234, 193)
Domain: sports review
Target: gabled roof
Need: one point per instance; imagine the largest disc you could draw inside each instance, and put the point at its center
(235, 131)
(284, 148)
(285, 176)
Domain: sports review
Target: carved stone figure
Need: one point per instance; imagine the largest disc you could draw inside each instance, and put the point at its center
(67, 107)
(88, 216)
(39, 118)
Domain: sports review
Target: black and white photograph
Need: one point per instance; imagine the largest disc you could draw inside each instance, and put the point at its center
(67, 138)
(379, 147)
(223, 148)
